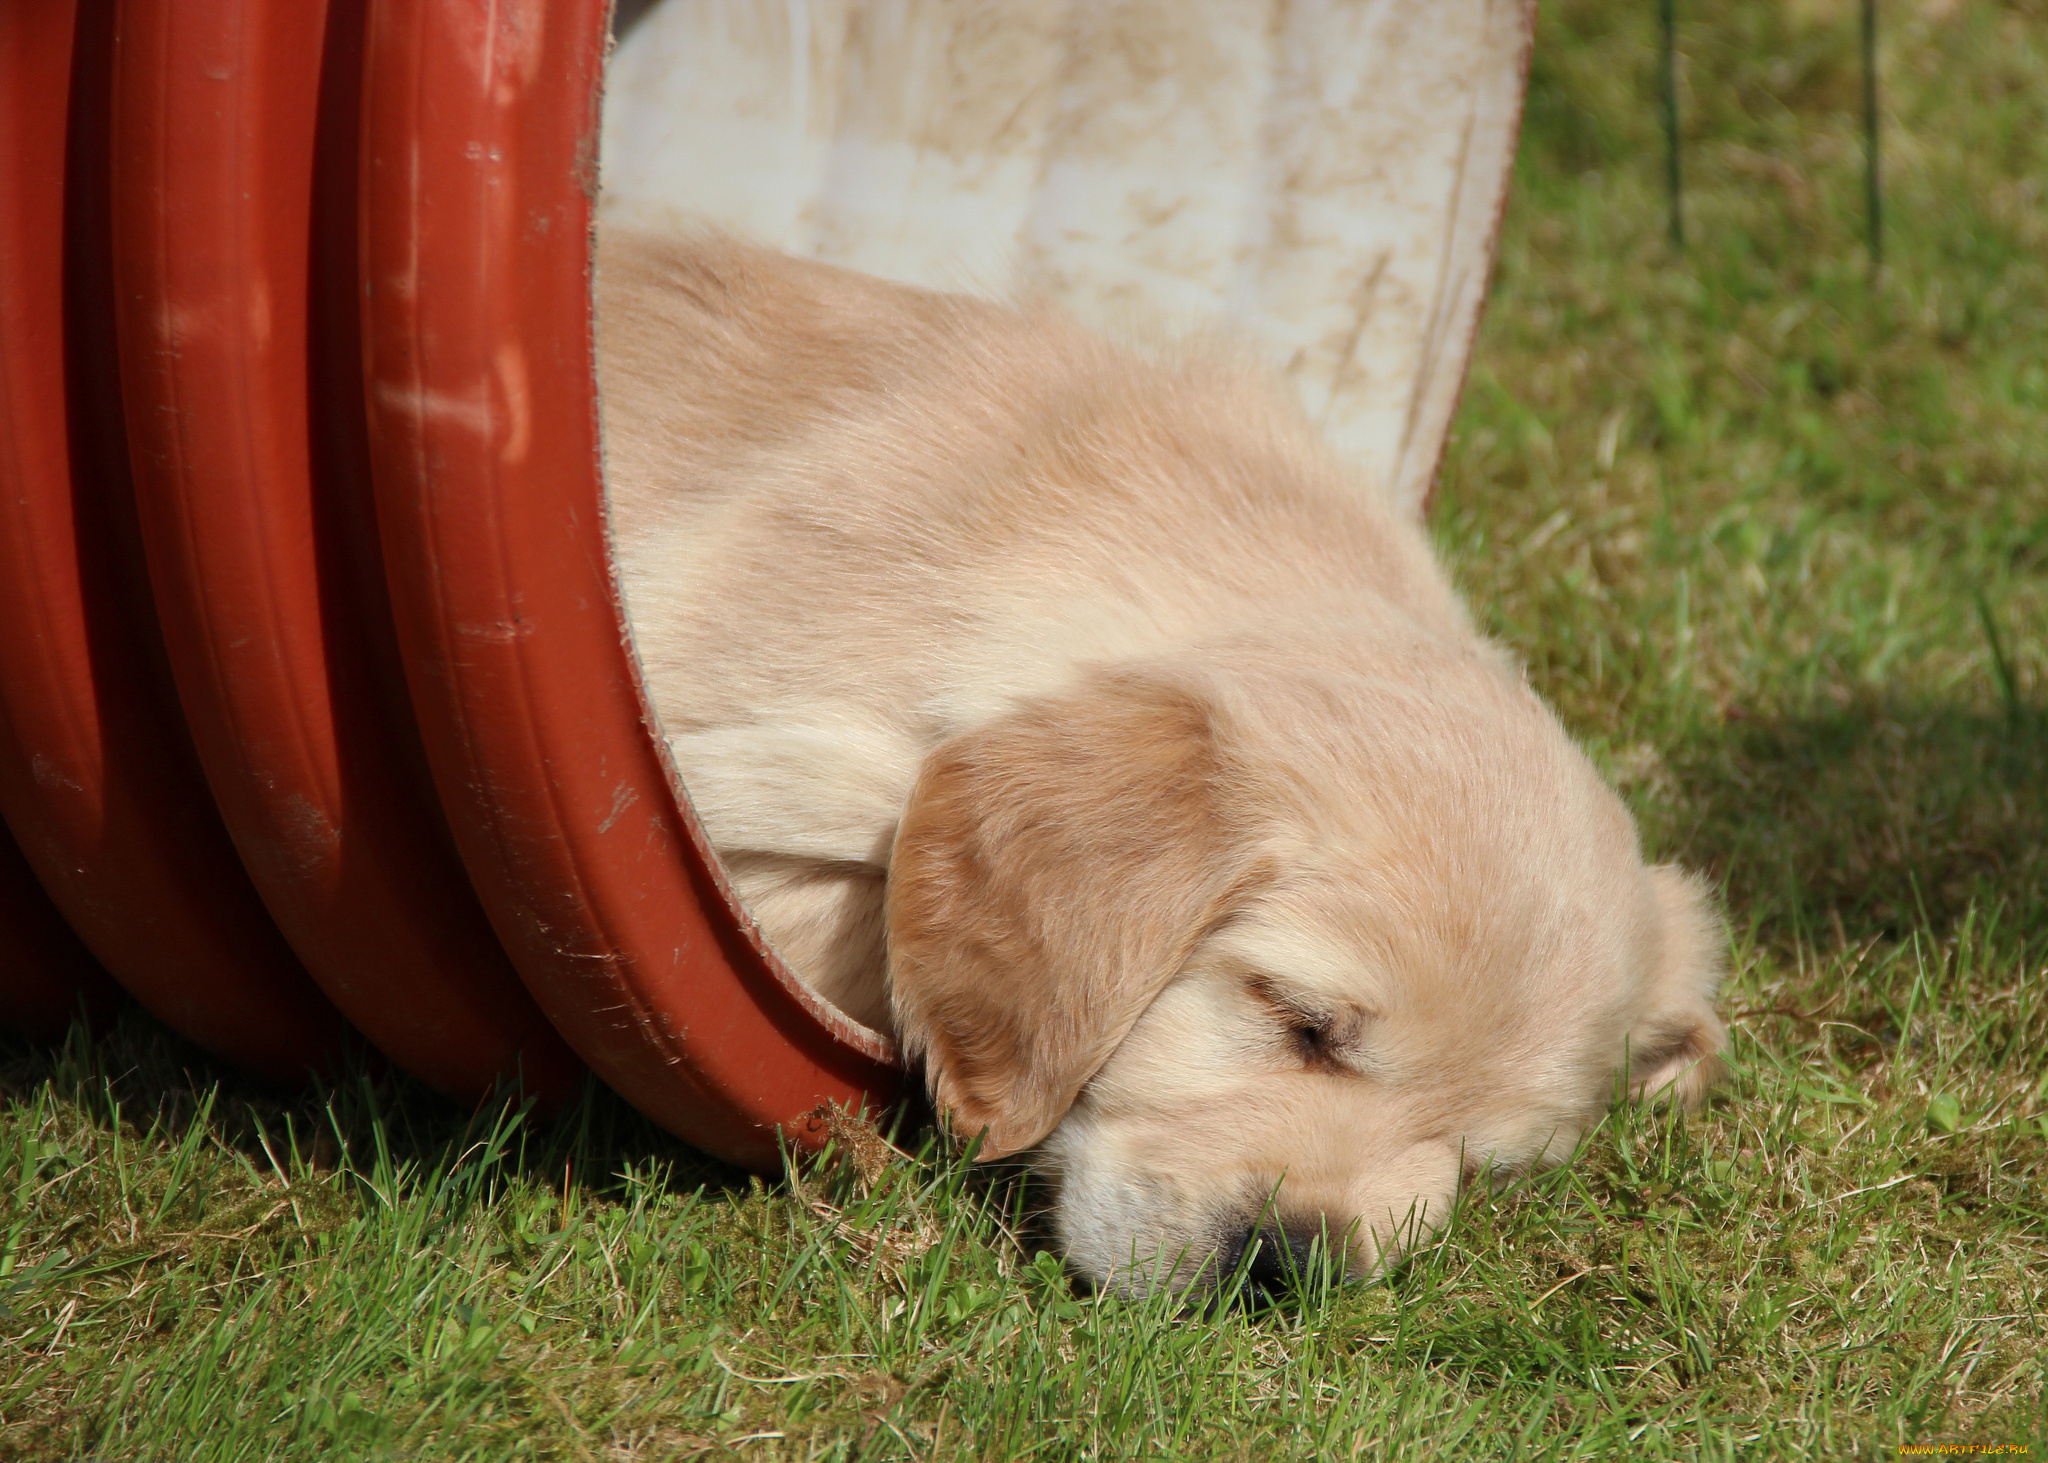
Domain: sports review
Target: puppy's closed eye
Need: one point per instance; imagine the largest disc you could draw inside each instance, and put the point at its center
(1324, 1038)
(1314, 1039)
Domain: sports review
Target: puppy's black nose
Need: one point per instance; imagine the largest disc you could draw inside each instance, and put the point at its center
(1267, 1258)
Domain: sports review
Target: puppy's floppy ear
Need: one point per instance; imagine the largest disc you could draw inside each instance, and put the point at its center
(1052, 872)
(1677, 1041)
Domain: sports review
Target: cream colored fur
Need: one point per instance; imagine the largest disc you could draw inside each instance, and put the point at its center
(1072, 715)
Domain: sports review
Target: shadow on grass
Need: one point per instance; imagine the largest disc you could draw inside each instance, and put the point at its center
(1877, 821)
(140, 1077)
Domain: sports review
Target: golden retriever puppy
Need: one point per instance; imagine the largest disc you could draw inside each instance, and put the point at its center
(1072, 714)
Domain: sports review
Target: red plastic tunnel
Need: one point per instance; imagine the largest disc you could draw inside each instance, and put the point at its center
(317, 706)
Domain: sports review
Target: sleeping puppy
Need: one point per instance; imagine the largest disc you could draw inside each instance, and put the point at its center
(1075, 716)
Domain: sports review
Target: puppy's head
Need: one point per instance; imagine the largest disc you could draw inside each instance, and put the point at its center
(1245, 957)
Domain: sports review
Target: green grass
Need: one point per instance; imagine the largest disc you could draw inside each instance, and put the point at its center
(1773, 535)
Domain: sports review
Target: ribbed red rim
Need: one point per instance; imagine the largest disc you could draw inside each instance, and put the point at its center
(48, 973)
(480, 140)
(234, 166)
(96, 777)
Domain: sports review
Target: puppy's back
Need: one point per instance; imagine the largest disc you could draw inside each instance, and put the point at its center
(777, 427)
(716, 353)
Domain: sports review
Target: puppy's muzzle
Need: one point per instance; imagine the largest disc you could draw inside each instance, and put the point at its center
(1268, 1260)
